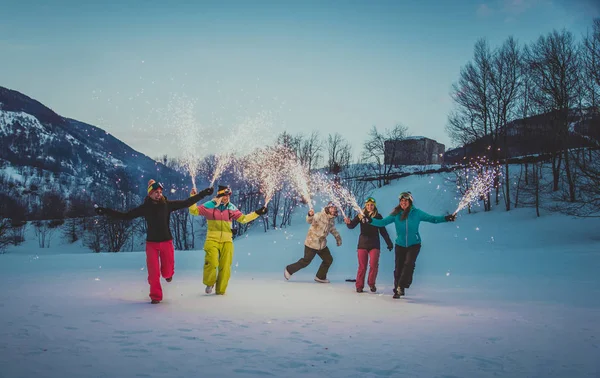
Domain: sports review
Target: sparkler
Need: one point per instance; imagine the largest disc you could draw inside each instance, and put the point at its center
(268, 169)
(247, 132)
(188, 131)
(481, 185)
(330, 188)
(349, 198)
(222, 162)
(300, 180)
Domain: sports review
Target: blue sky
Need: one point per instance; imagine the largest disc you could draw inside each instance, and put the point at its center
(331, 66)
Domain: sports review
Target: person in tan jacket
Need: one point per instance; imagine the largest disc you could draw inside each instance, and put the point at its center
(321, 225)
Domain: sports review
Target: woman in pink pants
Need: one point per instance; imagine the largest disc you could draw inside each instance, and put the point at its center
(368, 245)
(160, 255)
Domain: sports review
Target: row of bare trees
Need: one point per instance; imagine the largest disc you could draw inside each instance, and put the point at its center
(555, 75)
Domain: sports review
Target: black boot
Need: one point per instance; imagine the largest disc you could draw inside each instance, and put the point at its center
(154, 301)
(373, 289)
(359, 290)
(400, 290)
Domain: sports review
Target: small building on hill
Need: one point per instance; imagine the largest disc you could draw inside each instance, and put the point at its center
(413, 151)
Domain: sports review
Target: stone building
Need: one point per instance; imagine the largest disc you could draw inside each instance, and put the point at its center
(413, 151)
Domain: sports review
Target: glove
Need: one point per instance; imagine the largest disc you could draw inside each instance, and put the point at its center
(100, 210)
(390, 247)
(207, 191)
(261, 211)
(311, 213)
(339, 242)
(450, 218)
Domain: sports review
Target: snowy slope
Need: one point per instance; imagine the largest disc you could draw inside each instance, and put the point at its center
(495, 295)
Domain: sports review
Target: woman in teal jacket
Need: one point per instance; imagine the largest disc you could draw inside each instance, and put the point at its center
(406, 218)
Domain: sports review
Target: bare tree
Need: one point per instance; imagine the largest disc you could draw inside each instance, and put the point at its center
(381, 147)
(590, 57)
(339, 153)
(5, 239)
(310, 151)
(505, 82)
(472, 96)
(553, 67)
(45, 230)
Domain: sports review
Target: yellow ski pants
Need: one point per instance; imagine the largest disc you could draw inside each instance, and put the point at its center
(219, 256)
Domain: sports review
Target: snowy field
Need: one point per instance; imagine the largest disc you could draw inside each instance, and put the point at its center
(495, 295)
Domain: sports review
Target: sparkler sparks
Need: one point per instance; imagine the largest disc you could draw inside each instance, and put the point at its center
(331, 190)
(188, 131)
(300, 179)
(484, 178)
(268, 169)
(247, 133)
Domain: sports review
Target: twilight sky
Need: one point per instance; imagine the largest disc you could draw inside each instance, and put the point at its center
(331, 66)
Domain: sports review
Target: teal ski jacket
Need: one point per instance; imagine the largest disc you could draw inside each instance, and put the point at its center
(407, 231)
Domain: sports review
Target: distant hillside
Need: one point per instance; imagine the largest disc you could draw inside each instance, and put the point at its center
(41, 151)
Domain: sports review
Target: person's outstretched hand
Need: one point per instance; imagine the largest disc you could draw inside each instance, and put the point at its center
(208, 191)
(261, 211)
(450, 218)
(311, 212)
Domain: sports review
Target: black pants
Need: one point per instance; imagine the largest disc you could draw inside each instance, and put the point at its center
(309, 255)
(406, 258)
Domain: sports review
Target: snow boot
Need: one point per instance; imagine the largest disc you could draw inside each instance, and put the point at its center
(373, 289)
(359, 290)
(209, 289)
(154, 301)
(169, 279)
(321, 280)
(286, 274)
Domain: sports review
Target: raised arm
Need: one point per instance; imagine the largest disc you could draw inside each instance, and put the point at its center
(240, 217)
(383, 222)
(353, 223)
(181, 204)
(202, 210)
(424, 217)
(128, 215)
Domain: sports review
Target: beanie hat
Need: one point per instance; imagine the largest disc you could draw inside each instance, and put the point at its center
(407, 196)
(153, 186)
(224, 190)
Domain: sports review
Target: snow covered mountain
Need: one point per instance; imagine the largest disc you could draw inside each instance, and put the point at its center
(42, 151)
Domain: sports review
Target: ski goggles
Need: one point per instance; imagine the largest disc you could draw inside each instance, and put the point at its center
(155, 186)
(406, 195)
(371, 200)
(224, 192)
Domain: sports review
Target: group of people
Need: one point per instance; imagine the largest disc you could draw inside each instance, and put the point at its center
(407, 245)
(218, 246)
(160, 254)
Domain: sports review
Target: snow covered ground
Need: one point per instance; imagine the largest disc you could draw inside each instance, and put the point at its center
(499, 294)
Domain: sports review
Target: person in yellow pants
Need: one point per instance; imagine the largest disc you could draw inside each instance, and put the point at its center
(219, 213)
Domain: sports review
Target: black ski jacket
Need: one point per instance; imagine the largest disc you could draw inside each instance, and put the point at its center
(369, 235)
(157, 214)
